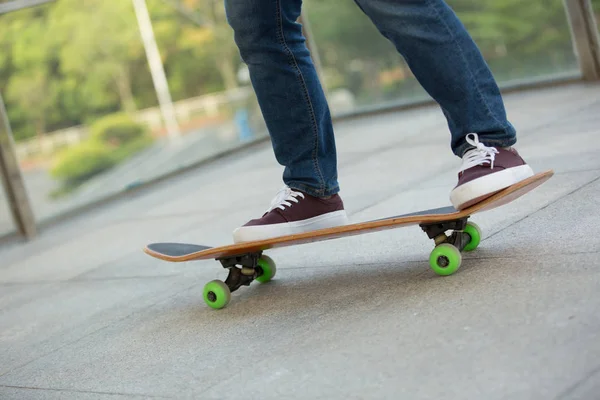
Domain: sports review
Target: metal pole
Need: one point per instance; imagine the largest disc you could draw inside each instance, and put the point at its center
(10, 172)
(12, 180)
(584, 34)
(156, 69)
(20, 4)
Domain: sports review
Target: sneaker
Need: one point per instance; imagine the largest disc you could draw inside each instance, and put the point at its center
(485, 171)
(293, 212)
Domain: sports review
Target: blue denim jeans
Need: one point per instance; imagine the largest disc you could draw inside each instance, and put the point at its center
(427, 33)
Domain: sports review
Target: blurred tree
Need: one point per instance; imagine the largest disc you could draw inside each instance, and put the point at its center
(29, 61)
(32, 87)
(73, 61)
(99, 39)
(517, 38)
(505, 27)
(207, 35)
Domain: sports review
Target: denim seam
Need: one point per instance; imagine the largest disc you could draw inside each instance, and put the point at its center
(294, 64)
(487, 106)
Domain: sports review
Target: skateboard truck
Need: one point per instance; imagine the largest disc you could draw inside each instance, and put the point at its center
(243, 269)
(446, 257)
(243, 275)
(458, 238)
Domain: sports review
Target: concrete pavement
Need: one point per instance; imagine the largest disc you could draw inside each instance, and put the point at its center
(84, 314)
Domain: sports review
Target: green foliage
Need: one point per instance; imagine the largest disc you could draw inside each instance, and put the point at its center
(125, 151)
(70, 61)
(79, 163)
(117, 129)
(113, 139)
(519, 39)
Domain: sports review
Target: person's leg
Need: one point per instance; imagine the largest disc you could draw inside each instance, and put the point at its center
(288, 90)
(296, 114)
(447, 63)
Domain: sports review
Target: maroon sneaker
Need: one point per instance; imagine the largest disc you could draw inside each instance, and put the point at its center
(485, 171)
(293, 212)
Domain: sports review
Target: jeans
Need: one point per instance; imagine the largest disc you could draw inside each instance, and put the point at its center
(427, 33)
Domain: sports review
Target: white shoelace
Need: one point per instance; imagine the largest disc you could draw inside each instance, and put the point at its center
(481, 154)
(284, 198)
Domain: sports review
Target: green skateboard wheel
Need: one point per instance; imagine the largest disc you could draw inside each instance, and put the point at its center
(445, 259)
(474, 232)
(216, 294)
(267, 269)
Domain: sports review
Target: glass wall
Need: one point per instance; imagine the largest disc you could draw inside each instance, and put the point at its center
(520, 41)
(84, 111)
(83, 107)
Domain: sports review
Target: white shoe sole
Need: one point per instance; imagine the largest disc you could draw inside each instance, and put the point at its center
(480, 188)
(262, 232)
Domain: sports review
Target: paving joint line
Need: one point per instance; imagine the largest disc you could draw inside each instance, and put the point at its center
(571, 389)
(109, 324)
(594, 180)
(83, 391)
(92, 280)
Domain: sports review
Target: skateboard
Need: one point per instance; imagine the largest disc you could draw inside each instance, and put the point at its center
(449, 228)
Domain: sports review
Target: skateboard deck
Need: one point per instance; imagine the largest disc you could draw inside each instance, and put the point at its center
(246, 262)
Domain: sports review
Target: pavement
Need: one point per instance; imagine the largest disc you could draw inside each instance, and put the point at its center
(85, 314)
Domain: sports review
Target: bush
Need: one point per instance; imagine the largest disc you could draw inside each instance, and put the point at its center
(117, 130)
(128, 150)
(113, 139)
(79, 163)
